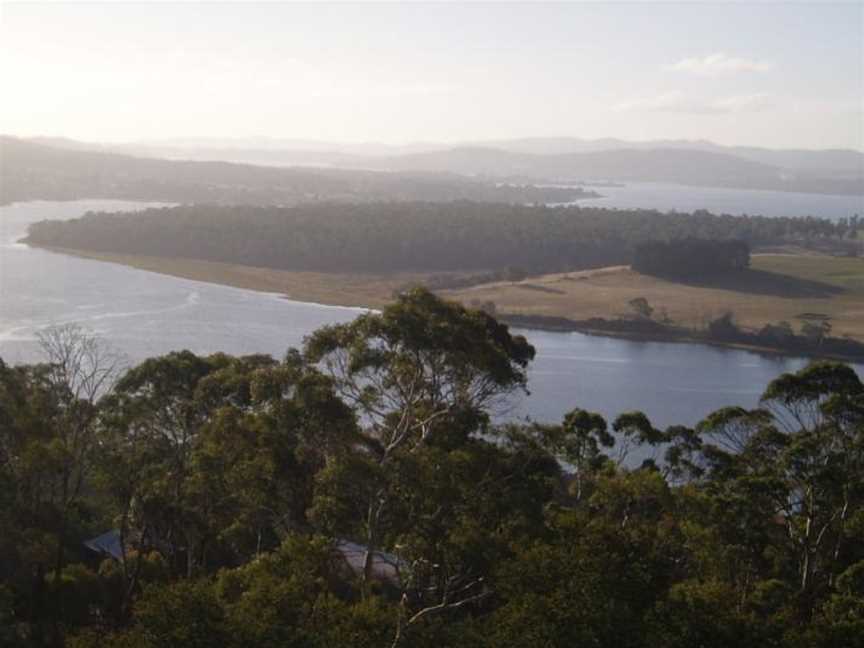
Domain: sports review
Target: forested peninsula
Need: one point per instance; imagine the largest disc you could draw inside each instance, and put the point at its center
(530, 265)
(356, 493)
(411, 236)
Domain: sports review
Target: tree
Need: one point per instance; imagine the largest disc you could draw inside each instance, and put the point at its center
(816, 332)
(80, 369)
(242, 487)
(215, 456)
(724, 327)
(579, 443)
(797, 462)
(421, 375)
(641, 307)
(691, 257)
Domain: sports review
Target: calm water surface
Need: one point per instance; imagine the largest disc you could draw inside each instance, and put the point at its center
(669, 197)
(143, 314)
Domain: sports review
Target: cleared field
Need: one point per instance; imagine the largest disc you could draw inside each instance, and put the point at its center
(845, 273)
(779, 287)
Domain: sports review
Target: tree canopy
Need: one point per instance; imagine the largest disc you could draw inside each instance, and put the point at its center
(419, 236)
(691, 257)
(357, 492)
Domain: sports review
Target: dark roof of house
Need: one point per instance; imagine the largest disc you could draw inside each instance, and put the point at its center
(108, 543)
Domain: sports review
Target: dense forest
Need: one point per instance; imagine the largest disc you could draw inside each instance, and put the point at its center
(415, 236)
(691, 257)
(32, 171)
(357, 493)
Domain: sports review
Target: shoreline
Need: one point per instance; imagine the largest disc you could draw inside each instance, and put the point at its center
(374, 291)
(670, 336)
(321, 289)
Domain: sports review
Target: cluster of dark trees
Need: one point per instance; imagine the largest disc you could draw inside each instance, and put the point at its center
(232, 482)
(31, 171)
(850, 226)
(812, 337)
(691, 257)
(410, 236)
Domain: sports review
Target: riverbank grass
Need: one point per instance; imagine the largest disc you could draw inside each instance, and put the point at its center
(780, 287)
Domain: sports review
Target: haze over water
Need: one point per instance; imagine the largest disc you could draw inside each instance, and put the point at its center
(668, 197)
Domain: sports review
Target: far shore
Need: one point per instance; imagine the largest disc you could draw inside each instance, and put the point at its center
(543, 303)
(671, 336)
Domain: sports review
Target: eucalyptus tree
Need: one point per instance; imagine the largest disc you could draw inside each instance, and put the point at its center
(49, 429)
(581, 442)
(792, 472)
(422, 375)
(213, 457)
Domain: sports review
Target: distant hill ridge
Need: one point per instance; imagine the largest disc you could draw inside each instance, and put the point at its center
(699, 163)
(33, 170)
(847, 161)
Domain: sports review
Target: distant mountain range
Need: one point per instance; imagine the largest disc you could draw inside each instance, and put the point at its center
(691, 162)
(844, 162)
(69, 170)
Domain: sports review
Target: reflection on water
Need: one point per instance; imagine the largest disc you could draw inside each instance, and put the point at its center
(672, 383)
(144, 314)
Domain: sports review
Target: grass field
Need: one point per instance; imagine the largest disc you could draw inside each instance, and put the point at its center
(779, 287)
(790, 287)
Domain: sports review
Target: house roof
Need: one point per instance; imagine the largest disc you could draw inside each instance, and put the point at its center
(385, 566)
(108, 543)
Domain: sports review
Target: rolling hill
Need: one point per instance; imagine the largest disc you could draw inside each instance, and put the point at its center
(30, 170)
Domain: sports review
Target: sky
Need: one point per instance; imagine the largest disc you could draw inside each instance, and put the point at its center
(783, 75)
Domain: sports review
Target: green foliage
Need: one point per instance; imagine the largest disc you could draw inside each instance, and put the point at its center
(186, 613)
(510, 240)
(239, 488)
(641, 307)
(691, 257)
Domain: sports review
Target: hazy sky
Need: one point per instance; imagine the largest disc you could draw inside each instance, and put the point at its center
(784, 75)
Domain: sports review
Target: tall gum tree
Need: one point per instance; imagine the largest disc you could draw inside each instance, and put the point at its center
(423, 371)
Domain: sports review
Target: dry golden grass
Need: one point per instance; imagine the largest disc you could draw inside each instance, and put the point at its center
(782, 287)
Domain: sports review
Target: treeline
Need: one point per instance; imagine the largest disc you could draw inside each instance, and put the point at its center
(356, 494)
(812, 338)
(690, 257)
(413, 236)
(30, 171)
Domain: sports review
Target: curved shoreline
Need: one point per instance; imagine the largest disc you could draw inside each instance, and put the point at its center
(670, 336)
(375, 291)
(340, 290)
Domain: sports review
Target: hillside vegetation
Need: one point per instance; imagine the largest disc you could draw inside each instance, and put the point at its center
(553, 158)
(33, 171)
(411, 237)
(795, 288)
(355, 493)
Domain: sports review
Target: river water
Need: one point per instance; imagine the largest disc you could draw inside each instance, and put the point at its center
(143, 314)
(671, 197)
